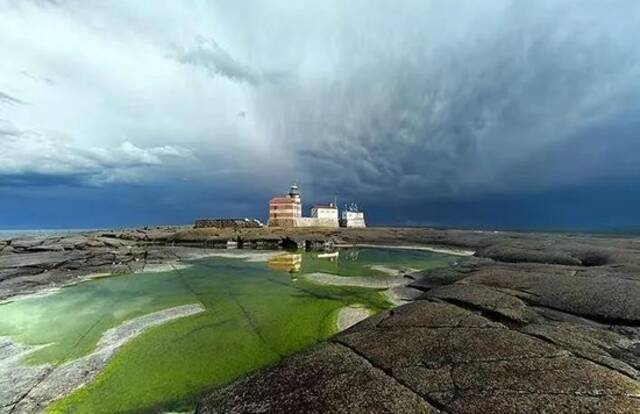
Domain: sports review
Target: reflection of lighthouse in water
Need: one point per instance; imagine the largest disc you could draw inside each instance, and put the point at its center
(289, 262)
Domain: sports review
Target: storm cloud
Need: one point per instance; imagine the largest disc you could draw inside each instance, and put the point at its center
(439, 102)
(402, 106)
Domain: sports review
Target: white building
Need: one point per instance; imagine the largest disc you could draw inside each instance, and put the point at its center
(325, 211)
(325, 215)
(352, 217)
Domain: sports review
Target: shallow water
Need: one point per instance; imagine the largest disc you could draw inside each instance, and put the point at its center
(255, 313)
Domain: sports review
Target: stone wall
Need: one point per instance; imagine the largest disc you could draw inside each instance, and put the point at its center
(305, 222)
(351, 222)
(223, 223)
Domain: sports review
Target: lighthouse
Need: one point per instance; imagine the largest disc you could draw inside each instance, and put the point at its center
(294, 193)
(285, 211)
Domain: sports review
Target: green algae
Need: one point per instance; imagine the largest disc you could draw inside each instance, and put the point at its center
(254, 315)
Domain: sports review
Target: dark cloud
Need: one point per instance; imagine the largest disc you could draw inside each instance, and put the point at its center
(49, 181)
(433, 110)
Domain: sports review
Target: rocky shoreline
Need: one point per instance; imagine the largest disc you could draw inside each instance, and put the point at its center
(32, 264)
(532, 323)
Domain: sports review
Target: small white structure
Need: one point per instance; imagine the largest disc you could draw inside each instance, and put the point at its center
(352, 217)
(325, 211)
(325, 215)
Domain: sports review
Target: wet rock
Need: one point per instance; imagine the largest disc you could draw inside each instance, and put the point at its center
(326, 379)
(432, 278)
(602, 296)
(485, 299)
(601, 346)
(441, 347)
(453, 359)
(435, 315)
(562, 384)
(509, 254)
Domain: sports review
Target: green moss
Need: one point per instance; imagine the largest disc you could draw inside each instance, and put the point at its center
(254, 316)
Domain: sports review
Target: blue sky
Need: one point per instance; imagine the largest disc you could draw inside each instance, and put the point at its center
(493, 114)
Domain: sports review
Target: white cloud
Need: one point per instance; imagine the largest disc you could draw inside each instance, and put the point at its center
(30, 152)
(117, 93)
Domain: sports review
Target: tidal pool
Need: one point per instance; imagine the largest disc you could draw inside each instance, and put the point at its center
(251, 314)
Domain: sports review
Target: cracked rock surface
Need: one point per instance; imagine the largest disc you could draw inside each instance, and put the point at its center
(540, 325)
(434, 356)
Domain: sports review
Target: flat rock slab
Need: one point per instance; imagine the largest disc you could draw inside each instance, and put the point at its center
(606, 296)
(427, 356)
(45, 259)
(326, 379)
